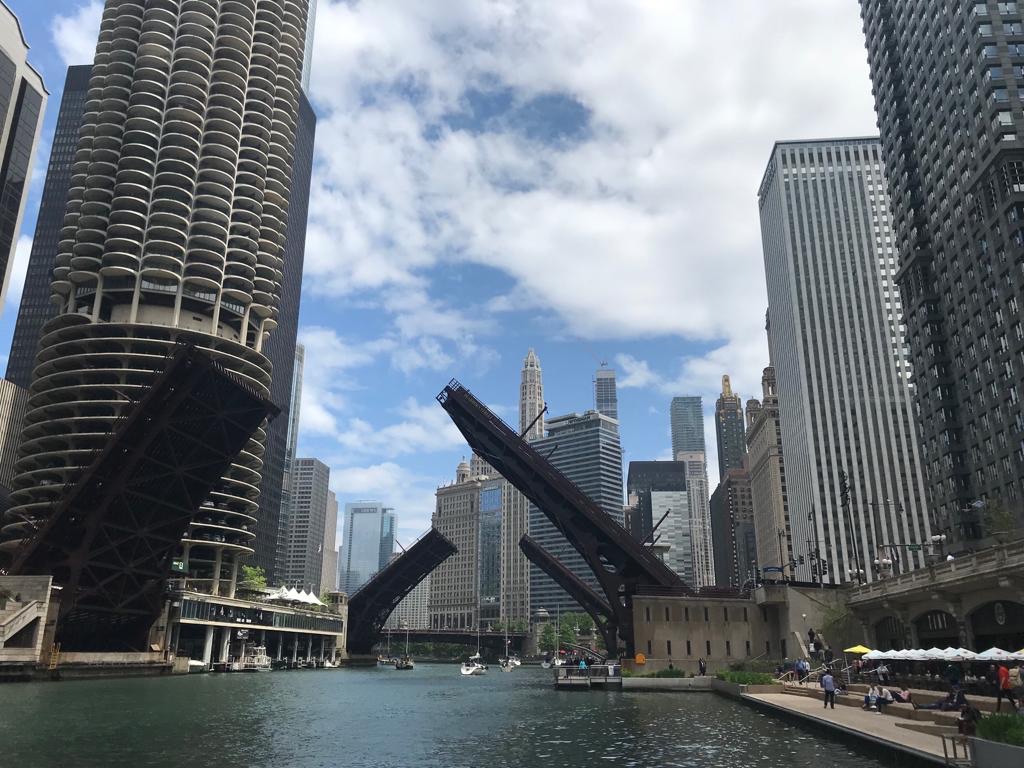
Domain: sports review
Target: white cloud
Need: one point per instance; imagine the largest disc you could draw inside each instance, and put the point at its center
(647, 225)
(423, 428)
(19, 267)
(75, 34)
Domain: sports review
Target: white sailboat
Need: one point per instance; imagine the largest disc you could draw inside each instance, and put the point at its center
(406, 661)
(475, 665)
(507, 662)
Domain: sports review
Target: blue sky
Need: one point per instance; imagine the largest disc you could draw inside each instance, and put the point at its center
(579, 177)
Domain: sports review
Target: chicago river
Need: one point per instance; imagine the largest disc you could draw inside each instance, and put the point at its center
(379, 717)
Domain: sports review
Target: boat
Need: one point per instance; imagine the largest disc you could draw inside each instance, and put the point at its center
(546, 664)
(477, 659)
(508, 662)
(253, 659)
(472, 668)
(506, 665)
(405, 662)
(386, 660)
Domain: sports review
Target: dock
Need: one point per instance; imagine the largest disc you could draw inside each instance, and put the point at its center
(599, 676)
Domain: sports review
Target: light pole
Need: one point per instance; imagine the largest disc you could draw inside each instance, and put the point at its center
(939, 540)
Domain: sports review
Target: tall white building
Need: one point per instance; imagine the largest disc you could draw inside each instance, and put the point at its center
(413, 611)
(531, 398)
(329, 570)
(840, 358)
(174, 232)
(307, 524)
(606, 398)
(699, 502)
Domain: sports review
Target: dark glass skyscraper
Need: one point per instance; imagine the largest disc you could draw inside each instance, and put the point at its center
(687, 417)
(730, 430)
(36, 307)
(947, 80)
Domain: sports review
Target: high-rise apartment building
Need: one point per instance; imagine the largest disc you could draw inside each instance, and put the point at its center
(732, 530)
(413, 612)
(22, 103)
(606, 398)
(35, 308)
(768, 495)
(531, 398)
(700, 517)
(838, 351)
(329, 569)
(307, 524)
(686, 415)
(174, 232)
(730, 430)
(955, 172)
(586, 449)
(367, 541)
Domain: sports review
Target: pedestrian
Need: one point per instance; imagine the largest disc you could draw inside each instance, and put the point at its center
(583, 665)
(1005, 690)
(702, 666)
(829, 684)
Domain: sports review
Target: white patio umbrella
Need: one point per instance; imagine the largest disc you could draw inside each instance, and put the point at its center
(872, 655)
(996, 654)
(934, 654)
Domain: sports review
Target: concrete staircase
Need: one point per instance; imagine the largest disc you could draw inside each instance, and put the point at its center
(15, 617)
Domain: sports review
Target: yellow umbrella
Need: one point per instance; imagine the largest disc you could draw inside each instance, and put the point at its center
(859, 649)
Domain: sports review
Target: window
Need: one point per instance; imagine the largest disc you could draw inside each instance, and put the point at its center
(706, 616)
(648, 647)
(668, 647)
(745, 614)
(728, 648)
(767, 648)
(688, 651)
(686, 613)
(647, 614)
(666, 614)
(707, 644)
(725, 612)
(748, 648)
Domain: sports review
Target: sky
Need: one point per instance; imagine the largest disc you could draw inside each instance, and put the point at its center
(579, 177)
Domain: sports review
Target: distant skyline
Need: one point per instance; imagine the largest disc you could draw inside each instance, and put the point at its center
(525, 192)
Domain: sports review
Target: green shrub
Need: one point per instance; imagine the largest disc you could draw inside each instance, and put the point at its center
(746, 678)
(1007, 729)
(669, 673)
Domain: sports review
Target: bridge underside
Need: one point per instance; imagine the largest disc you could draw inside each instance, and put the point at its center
(491, 640)
(370, 606)
(620, 563)
(595, 605)
(110, 540)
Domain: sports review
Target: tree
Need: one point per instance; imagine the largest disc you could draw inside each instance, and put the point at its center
(498, 626)
(998, 519)
(253, 577)
(519, 626)
(566, 633)
(840, 626)
(547, 638)
(585, 623)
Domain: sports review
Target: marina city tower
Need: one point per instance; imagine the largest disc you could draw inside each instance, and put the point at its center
(173, 233)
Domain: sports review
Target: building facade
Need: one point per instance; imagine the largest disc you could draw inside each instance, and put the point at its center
(13, 405)
(606, 398)
(413, 612)
(586, 449)
(454, 584)
(329, 569)
(955, 169)
(35, 308)
(730, 430)
(766, 464)
(290, 448)
(700, 517)
(367, 541)
(177, 251)
(307, 523)
(732, 530)
(531, 398)
(22, 104)
(686, 415)
(657, 496)
(838, 351)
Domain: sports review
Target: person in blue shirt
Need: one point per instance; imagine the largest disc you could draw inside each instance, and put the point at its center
(829, 684)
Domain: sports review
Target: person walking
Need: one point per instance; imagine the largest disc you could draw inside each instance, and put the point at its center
(702, 666)
(829, 684)
(1005, 690)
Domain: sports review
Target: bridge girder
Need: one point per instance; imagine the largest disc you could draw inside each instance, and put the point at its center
(621, 564)
(370, 606)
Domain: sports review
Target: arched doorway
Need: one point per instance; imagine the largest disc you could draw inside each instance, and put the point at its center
(938, 629)
(1000, 624)
(890, 634)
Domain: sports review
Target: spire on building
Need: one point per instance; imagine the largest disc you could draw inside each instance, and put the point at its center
(531, 398)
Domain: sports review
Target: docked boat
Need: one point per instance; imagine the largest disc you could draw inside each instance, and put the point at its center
(254, 658)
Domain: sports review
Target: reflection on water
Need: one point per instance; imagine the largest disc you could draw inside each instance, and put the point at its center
(430, 717)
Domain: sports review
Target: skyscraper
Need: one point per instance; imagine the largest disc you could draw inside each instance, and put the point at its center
(606, 399)
(956, 179)
(687, 418)
(13, 404)
(586, 449)
(732, 530)
(174, 232)
(291, 420)
(531, 398)
(366, 543)
(22, 103)
(700, 517)
(413, 611)
(329, 570)
(454, 601)
(729, 428)
(307, 525)
(768, 491)
(656, 490)
(838, 352)
(36, 308)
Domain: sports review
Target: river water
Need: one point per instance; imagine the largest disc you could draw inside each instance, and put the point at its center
(382, 718)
